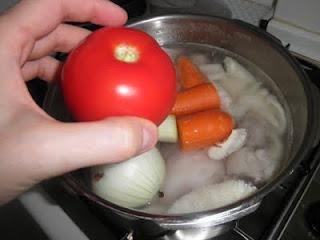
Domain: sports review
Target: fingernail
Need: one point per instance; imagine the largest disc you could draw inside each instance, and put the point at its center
(149, 138)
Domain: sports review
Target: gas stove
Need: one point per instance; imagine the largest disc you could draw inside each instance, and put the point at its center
(290, 212)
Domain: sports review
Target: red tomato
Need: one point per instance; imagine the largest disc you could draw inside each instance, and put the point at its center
(117, 72)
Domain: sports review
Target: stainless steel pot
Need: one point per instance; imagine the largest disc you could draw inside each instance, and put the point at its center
(259, 48)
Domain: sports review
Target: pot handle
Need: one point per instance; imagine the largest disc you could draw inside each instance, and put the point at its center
(315, 94)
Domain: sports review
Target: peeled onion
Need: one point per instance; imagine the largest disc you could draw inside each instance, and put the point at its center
(131, 183)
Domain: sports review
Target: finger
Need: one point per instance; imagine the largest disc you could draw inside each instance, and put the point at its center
(71, 146)
(63, 39)
(102, 12)
(46, 68)
(45, 15)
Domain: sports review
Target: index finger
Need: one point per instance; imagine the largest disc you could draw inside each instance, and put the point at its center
(36, 18)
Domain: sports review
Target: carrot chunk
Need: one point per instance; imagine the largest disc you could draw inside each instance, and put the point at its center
(203, 129)
(196, 99)
(188, 73)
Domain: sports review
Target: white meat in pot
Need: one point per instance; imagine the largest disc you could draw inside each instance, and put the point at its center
(188, 171)
(238, 81)
(248, 95)
(260, 158)
(212, 196)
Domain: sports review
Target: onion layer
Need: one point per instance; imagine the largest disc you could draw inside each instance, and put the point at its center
(131, 183)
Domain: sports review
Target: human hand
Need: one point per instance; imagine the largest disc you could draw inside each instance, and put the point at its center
(33, 145)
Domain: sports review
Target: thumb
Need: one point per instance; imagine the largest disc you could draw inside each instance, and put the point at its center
(71, 146)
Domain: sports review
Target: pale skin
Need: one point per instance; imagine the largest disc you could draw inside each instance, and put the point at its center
(33, 145)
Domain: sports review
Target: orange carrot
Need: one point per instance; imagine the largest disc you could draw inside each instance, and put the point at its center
(196, 99)
(203, 129)
(189, 74)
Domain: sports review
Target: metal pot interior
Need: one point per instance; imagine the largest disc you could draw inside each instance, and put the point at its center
(252, 45)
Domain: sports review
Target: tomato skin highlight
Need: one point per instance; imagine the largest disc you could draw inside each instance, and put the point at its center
(96, 84)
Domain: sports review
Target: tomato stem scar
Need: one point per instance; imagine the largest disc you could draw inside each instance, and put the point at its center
(126, 53)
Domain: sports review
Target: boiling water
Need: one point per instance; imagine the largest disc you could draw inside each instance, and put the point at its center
(193, 179)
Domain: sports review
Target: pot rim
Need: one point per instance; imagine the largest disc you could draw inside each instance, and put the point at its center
(230, 212)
